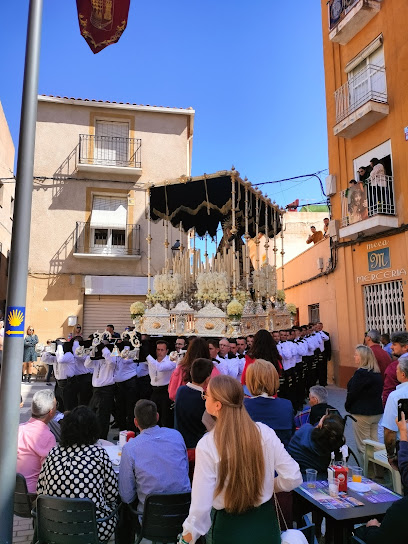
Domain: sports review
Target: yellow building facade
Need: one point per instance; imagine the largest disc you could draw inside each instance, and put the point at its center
(356, 280)
(94, 161)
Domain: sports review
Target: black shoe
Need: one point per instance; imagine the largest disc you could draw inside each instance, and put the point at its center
(29, 378)
(23, 378)
(48, 383)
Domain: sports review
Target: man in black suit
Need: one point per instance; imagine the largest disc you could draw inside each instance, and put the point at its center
(324, 357)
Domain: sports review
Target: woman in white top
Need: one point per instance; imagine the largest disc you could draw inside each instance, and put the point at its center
(234, 476)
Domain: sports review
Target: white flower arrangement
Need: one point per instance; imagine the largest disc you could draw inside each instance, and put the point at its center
(241, 297)
(167, 288)
(137, 309)
(235, 309)
(291, 308)
(280, 295)
(212, 286)
(264, 280)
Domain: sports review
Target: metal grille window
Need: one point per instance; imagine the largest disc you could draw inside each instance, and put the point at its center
(384, 306)
(314, 313)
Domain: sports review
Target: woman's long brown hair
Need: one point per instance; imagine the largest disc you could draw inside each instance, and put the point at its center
(239, 444)
(197, 349)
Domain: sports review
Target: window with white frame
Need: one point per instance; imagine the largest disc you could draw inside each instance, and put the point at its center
(111, 143)
(366, 76)
(108, 225)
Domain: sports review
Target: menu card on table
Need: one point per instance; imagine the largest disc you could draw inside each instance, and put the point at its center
(320, 493)
(378, 493)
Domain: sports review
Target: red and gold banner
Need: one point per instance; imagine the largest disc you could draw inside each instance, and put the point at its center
(102, 22)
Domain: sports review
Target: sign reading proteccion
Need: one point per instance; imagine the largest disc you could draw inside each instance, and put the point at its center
(14, 325)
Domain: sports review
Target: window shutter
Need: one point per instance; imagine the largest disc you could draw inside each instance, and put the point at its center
(109, 212)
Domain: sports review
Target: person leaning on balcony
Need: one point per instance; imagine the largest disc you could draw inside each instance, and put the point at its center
(377, 176)
(379, 189)
(364, 173)
(315, 237)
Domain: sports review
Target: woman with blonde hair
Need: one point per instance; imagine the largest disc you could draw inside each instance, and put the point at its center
(363, 400)
(30, 355)
(234, 477)
(262, 381)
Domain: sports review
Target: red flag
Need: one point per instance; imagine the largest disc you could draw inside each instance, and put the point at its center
(102, 22)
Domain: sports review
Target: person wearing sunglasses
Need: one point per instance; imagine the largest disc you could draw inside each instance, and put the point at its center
(30, 355)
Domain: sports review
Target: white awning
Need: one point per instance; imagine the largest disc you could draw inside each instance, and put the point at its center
(109, 212)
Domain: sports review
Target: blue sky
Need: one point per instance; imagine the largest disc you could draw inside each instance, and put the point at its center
(253, 71)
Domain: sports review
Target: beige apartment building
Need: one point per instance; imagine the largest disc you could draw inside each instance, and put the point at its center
(7, 187)
(88, 247)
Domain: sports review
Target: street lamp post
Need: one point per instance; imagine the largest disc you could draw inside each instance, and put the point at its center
(17, 284)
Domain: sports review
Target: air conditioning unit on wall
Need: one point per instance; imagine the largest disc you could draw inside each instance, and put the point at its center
(330, 185)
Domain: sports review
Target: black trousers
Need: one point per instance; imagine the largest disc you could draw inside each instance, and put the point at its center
(81, 389)
(64, 393)
(160, 396)
(322, 369)
(128, 524)
(125, 400)
(102, 404)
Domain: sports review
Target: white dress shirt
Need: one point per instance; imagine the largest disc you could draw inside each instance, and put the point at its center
(205, 479)
(321, 337)
(142, 369)
(160, 372)
(124, 368)
(64, 366)
(104, 370)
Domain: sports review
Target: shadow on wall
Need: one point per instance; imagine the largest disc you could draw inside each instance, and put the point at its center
(57, 261)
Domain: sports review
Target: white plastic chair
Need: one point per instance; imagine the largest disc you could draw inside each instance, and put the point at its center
(376, 453)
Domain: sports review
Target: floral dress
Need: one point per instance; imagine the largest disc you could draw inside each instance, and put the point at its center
(82, 472)
(30, 342)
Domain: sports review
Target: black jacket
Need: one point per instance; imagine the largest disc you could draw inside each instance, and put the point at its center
(364, 392)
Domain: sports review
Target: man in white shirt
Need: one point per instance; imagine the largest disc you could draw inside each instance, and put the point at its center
(221, 363)
(82, 379)
(391, 433)
(64, 369)
(125, 378)
(160, 370)
(242, 345)
(103, 383)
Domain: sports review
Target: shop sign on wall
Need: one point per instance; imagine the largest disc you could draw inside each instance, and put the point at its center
(379, 259)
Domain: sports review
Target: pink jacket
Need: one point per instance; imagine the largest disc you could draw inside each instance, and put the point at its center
(176, 380)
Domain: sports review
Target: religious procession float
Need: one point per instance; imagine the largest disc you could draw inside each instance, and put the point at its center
(232, 292)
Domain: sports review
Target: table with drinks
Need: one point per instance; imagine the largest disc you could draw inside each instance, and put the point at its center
(345, 499)
(115, 450)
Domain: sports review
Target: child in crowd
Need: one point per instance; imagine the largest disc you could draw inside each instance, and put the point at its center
(190, 407)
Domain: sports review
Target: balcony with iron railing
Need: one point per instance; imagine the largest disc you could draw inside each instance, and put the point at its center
(361, 101)
(109, 154)
(348, 17)
(368, 207)
(121, 242)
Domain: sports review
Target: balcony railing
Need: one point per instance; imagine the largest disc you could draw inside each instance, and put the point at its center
(365, 201)
(106, 241)
(338, 9)
(110, 151)
(368, 84)
(348, 17)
